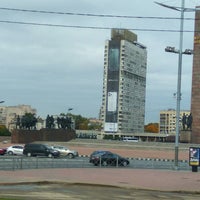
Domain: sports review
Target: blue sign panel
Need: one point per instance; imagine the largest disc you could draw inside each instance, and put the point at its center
(194, 156)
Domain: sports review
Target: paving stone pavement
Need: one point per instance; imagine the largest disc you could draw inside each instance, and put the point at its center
(173, 184)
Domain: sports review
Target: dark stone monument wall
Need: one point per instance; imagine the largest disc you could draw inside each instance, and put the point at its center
(28, 136)
(195, 98)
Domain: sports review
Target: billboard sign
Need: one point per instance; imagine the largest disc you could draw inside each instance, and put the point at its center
(112, 101)
(110, 127)
(194, 156)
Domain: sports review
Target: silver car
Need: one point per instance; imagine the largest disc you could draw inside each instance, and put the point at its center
(15, 150)
(64, 151)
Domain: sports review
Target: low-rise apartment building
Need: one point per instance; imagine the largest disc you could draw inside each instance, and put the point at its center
(9, 114)
(168, 120)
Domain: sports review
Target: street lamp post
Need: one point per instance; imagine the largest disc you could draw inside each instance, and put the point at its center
(181, 9)
(69, 109)
(179, 85)
(187, 52)
(179, 78)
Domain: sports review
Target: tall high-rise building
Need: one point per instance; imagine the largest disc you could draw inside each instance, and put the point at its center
(124, 84)
(195, 99)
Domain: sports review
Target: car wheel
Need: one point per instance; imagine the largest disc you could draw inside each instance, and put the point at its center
(104, 163)
(124, 163)
(29, 154)
(70, 155)
(10, 153)
(50, 155)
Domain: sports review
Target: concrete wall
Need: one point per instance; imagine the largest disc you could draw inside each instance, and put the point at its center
(28, 136)
(185, 136)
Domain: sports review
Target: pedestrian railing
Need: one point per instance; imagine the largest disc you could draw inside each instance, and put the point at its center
(23, 162)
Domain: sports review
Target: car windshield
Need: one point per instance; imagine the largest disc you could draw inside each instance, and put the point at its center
(48, 147)
(111, 155)
(60, 147)
(117, 156)
(99, 152)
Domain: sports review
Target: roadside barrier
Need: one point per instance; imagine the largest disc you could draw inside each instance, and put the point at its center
(23, 162)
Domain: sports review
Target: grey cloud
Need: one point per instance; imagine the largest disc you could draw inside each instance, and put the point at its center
(54, 68)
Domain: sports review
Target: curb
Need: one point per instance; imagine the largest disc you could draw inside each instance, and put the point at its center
(145, 159)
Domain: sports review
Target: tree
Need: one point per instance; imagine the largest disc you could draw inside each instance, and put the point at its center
(94, 125)
(152, 128)
(4, 131)
(81, 123)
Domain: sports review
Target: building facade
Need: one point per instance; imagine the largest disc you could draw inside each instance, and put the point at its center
(8, 114)
(195, 98)
(168, 120)
(124, 84)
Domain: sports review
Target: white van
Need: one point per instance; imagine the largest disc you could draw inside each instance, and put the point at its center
(130, 139)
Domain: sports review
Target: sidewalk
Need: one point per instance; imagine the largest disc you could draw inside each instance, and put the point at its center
(160, 180)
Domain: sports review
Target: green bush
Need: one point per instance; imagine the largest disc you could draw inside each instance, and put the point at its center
(4, 131)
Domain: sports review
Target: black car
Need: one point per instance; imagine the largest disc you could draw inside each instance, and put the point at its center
(98, 152)
(34, 149)
(109, 158)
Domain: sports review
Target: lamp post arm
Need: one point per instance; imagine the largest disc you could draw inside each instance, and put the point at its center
(167, 6)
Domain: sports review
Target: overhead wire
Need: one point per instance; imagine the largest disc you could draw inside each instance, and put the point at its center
(89, 15)
(92, 15)
(89, 27)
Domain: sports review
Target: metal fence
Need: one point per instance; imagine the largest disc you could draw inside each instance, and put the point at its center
(23, 162)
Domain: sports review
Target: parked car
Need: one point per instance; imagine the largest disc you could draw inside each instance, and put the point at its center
(34, 149)
(109, 158)
(15, 150)
(3, 151)
(98, 152)
(64, 151)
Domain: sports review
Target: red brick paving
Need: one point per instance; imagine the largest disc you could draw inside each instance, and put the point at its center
(136, 153)
(131, 153)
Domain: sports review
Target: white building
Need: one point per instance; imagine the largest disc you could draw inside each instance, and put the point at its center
(168, 120)
(124, 84)
(8, 114)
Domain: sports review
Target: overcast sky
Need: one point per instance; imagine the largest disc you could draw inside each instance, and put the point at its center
(56, 68)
